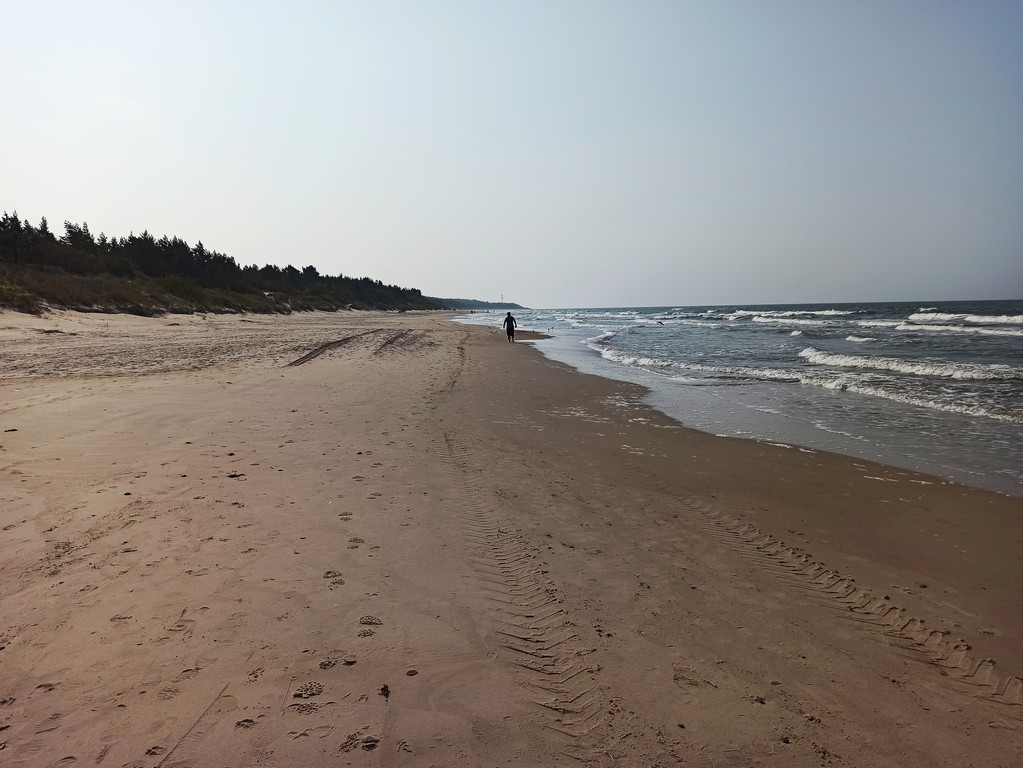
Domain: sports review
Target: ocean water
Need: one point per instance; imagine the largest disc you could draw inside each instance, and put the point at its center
(930, 386)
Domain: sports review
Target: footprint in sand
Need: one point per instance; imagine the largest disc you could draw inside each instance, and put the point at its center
(254, 675)
(308, 690)
(185, 674)
(50, 723)
(353, 741)
(687, 676)
(182, 625)
(320, 731)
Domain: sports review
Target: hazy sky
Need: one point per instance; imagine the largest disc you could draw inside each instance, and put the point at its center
(559, 153)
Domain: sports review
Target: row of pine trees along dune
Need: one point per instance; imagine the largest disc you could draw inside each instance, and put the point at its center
(141, 274)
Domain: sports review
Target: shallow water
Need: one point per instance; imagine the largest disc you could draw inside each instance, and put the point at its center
(935, 387)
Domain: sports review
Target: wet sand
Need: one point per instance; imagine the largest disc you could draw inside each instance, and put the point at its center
(386, 539)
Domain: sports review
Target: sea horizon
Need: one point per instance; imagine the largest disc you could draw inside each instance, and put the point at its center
(770, 304)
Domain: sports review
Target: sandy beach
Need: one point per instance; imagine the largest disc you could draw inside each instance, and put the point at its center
(383, 539)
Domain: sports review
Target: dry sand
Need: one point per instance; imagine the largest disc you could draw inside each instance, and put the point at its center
(422, 546)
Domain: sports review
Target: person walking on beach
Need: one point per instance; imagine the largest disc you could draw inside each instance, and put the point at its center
(509, 324)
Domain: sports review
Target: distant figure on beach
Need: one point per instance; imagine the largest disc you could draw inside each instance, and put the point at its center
(509, 324)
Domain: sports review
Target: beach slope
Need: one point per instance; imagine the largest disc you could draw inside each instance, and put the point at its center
(387, 539)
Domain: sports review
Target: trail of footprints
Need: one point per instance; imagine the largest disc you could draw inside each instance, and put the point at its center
(299, 700)
(952, 657)
(534, 630)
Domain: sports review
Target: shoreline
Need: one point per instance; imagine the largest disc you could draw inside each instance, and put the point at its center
(752, 415)
(423, 545)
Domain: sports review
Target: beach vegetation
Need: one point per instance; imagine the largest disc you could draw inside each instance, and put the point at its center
(146, 275)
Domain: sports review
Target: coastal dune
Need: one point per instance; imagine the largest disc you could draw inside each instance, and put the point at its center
(388, 539)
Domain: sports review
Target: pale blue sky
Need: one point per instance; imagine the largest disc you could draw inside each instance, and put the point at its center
(558, 153)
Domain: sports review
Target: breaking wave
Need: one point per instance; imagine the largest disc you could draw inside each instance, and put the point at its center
(948, 317)
(780, 319)
(960, 371)
(960, 329)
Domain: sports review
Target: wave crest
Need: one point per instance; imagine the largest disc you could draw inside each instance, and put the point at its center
(949, 317)
(941, 369)
(960, 329)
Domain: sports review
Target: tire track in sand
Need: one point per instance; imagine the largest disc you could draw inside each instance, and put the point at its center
(327, 347)
(970, 673)
(534, 632)
(393, 338)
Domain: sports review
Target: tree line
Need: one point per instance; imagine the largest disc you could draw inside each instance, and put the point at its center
(148, 275)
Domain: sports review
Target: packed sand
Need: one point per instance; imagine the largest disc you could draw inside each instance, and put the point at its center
(389, 540)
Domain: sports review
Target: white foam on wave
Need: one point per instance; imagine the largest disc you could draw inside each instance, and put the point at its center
(860, 339)
(879, 323)
(925, 316)
(786, 320)
(831, 381)
(599, 344)
(791, 312)
(942, 369)
(823, 427)
(903, 325)
(639, 361)
(601, 338)
(959, 329)
(796, 333)
(680, 317)
(686, 321)
(635, 360)
(921, 402)
(777, 314)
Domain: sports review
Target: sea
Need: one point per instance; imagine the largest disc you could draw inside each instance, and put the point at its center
(935, 387)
